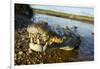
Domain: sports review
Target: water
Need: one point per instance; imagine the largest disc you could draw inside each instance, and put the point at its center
(67, 9)
(86, 50)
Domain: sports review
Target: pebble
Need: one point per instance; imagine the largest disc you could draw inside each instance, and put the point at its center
(38, 60)
(23, 37)
(29, 62)
(19, 57)
(41, 63)
(20, 53)
(40, 56)
(59, 58)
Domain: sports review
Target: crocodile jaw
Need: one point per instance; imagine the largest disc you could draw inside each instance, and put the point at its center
(68, 48)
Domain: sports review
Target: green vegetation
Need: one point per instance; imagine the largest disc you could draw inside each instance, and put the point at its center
(65, 15)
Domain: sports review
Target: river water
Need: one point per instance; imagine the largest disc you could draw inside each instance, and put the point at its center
(86, 48)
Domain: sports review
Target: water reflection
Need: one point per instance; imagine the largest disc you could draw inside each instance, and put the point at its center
(59, 55)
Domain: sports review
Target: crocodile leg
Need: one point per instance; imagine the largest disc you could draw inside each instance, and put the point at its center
(45, 46)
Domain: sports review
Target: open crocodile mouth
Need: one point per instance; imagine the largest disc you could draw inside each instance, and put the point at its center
(50, 40)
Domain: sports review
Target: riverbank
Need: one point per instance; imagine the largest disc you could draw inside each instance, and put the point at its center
(88, 19)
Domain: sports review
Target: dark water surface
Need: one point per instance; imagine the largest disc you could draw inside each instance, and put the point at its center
(86, 48)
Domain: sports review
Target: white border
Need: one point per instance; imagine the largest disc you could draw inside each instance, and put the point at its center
(75, 3)
(78, 3)
(12, 35)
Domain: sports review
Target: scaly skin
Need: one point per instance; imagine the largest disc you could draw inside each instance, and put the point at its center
(42, 31)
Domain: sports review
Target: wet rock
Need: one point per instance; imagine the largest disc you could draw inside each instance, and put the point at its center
(20, 53)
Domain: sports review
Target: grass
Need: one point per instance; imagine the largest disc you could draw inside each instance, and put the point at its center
(88, 19)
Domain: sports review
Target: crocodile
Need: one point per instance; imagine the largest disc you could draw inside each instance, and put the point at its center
(43, 35)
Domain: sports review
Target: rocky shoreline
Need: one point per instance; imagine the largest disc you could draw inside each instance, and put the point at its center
(53, 55)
